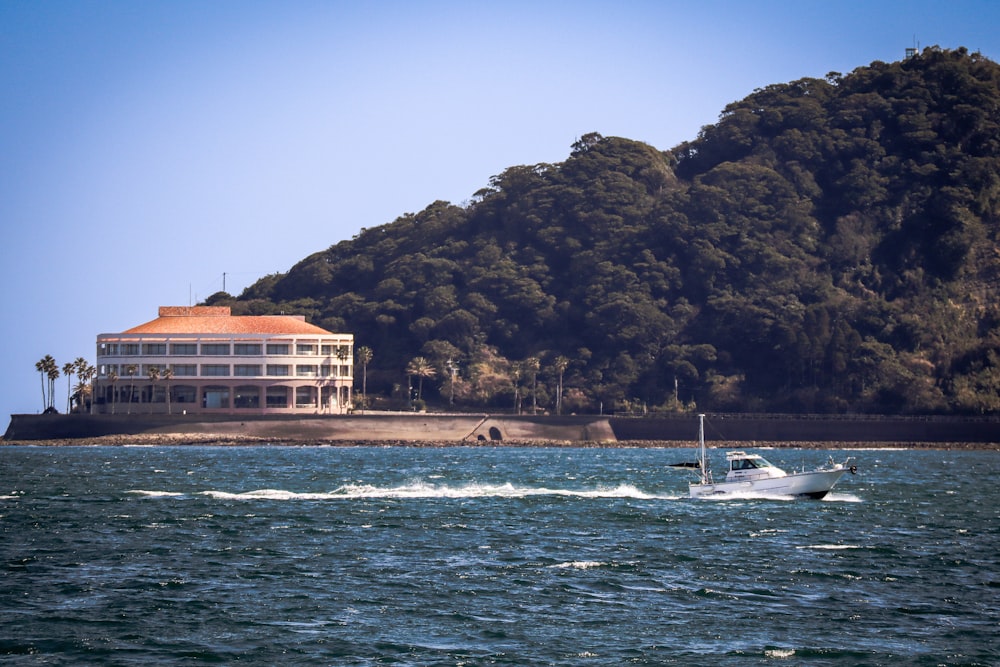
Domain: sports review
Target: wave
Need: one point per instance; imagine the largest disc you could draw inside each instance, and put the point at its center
(829, 547)
(422, 490)
(579, 564)
(763, 495)
(841, 498)
(155, 494)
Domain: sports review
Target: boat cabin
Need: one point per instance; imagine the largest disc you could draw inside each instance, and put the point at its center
(745, 467)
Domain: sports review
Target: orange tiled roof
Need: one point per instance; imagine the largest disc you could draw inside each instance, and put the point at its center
(218, 320)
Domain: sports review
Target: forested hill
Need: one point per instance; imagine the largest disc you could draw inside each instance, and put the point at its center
(829, 245)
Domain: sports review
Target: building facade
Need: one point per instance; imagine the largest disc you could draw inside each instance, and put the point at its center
(203, 359)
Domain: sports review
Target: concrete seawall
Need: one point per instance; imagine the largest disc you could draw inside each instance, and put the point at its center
(458, 428)
(369, 427)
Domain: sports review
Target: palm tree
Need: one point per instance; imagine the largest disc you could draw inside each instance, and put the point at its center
(364, 356)
(83, 370)
(154, 375)
(113, 378)
(560, 364)
(40, 367)
(342, 393)
(48, 369)
(422, 369)
(168, 373)
(52, 372)
(131, 370)
(86, 373)
(69, 369)
(532, 365)
(517, 372)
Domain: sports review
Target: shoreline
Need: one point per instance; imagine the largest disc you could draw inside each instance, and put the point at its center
(229, 440)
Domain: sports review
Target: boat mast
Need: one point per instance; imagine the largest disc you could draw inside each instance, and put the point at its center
(701, 444)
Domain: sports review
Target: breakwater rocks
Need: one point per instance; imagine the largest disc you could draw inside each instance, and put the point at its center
(418, 429)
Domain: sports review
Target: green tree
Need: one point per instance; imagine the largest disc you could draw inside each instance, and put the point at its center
(52, 374)
(364, 356)
(823, 236)
(84, 390)
(42, 367)
(130, 370)
(531, 367)
(559, 365)
(420, 368)
(154, 375)
(85, 372)
(113, 379)
(69, 369)
(168, 373)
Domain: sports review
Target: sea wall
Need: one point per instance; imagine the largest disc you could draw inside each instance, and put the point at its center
(368, 427)
(436, 427)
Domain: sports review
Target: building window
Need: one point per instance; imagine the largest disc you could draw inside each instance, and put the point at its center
(326, 350)
(154, 349)
(305, 371)
(108, 350)
(247, 397)
(277, 348)
(131, 349)
(184, 349)
(305, 397)
(277, 397)
(247, 349)
(246, 370)
(146, 368)
(215, 349)
(184, 369)
(155, 394)
(278, 369)
(305, 348)
(183, 393)
(213, 398)
(218, 370)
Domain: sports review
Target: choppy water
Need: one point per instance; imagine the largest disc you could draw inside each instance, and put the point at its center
(488, 556)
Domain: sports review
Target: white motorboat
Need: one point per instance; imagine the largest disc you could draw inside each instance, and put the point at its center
(752, 473)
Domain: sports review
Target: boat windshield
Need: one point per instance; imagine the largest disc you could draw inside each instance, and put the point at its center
(750, 464)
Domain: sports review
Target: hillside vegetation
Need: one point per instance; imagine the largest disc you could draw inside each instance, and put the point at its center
(829, 245)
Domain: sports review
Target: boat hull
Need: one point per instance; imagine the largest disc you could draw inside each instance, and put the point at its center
(814, 484)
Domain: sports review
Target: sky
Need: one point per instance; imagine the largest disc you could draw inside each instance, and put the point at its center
(154, 152)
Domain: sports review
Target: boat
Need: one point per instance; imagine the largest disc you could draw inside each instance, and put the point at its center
(752, 473)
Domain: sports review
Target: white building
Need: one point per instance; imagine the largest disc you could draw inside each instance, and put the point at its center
(218, 362)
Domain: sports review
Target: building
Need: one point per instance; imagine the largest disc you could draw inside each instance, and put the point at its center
(224, 363)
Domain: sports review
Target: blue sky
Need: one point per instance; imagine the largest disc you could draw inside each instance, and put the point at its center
(148, 148)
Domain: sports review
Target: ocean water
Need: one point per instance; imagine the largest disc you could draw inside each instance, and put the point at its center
(489, 556)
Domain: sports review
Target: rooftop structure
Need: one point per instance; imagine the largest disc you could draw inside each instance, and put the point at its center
(197, 359)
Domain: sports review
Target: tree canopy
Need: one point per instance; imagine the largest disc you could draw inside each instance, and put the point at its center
(829, 245)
